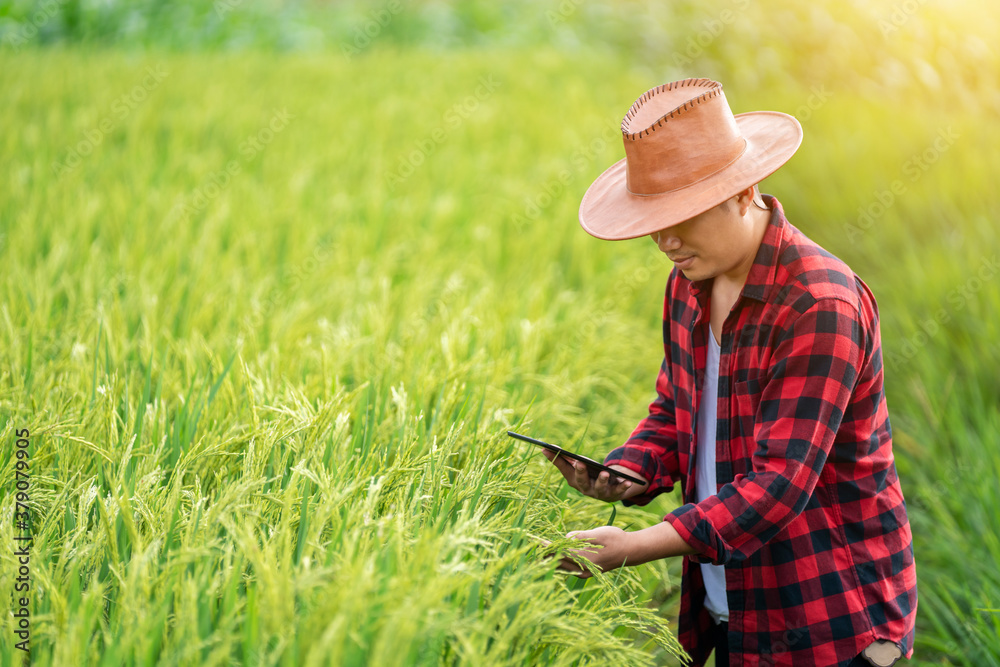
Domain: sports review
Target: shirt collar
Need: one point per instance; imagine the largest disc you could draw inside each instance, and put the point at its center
(765, 264)
(762, 274)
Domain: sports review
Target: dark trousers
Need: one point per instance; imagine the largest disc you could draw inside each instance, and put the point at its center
(720, 640)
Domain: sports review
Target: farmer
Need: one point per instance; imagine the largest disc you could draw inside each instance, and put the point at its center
(769, 406)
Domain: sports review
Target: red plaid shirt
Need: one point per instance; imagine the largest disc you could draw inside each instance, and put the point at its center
(809, 518)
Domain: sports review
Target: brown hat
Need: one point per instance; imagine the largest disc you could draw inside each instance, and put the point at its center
(685, 153)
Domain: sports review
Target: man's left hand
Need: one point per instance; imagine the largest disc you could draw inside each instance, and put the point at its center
(609, 550)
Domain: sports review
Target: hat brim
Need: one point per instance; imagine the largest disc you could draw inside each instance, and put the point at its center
(609, 211)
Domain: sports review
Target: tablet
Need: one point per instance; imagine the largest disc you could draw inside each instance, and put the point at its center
(593, 467)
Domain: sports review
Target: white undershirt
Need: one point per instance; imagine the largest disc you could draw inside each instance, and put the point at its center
(714, 575)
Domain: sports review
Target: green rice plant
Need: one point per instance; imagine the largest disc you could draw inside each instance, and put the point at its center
(270, 430)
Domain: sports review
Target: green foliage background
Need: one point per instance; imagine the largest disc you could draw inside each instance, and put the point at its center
(267, 373)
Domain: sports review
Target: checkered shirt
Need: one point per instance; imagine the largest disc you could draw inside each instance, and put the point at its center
(809, 518)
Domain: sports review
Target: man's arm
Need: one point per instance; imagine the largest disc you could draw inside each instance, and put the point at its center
(615, 547)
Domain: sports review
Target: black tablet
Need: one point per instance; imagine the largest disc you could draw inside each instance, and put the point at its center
(593, 467)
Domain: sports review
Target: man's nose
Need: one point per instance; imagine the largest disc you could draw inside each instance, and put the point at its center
(666, 241)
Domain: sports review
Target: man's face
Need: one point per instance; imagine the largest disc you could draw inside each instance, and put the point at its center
(716, 242)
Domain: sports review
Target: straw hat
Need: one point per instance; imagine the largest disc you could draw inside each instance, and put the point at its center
(685, 153)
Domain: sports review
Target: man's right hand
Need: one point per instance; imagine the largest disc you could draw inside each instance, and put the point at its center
(579, 478)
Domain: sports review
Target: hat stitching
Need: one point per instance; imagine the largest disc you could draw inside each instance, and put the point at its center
(716, 89)
(779, 140)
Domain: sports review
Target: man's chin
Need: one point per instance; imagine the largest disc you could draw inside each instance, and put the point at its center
(694, 275)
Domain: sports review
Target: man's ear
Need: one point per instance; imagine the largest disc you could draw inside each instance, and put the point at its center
(744, 199)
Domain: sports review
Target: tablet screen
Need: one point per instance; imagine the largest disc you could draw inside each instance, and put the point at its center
(593, 467)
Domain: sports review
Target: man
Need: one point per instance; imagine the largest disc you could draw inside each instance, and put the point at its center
(769, 411)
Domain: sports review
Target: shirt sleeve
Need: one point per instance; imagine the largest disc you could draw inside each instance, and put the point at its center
(651, 450)
(804, 394)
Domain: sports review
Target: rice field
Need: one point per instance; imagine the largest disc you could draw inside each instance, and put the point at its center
(266, 319)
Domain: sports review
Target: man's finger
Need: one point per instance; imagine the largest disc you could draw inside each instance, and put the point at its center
(570, 566)
(610, 487)
(582, 477)
(602, 485)
(561, 464)
(587, 547)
